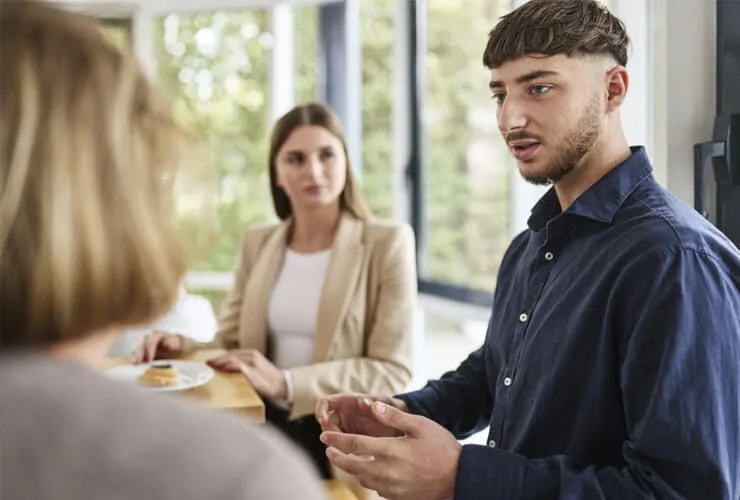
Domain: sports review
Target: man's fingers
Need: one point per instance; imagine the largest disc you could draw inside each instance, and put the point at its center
(322, 411)
(397, 419)
(333, 423)
(359, 466)
(354, 443)
(370, 473)
(327, 418)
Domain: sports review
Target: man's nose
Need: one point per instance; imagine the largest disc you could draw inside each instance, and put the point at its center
(511, 116)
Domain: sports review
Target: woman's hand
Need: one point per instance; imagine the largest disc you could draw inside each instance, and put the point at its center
(267, 379)
(156, 343)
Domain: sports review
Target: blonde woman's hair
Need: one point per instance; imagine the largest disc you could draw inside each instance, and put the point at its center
(87, 159)
(317, 114)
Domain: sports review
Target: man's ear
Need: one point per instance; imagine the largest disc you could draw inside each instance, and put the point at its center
(617, 83)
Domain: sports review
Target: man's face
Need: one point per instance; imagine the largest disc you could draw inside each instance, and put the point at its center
(550, 112)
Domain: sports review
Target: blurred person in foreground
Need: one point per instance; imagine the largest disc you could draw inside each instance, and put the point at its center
(611, 366)
(87, 156)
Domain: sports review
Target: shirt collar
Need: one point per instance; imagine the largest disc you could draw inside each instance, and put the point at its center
(601, 201)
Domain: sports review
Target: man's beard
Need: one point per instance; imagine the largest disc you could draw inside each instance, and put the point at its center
(576, 145)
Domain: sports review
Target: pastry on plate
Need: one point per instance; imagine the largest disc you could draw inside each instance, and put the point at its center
(159, 375)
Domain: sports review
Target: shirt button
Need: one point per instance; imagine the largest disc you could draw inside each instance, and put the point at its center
(523, 317)
(549, 256)
(492, 443)
(507, 381)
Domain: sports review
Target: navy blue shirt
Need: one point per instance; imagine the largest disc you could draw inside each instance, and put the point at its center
(611, 366)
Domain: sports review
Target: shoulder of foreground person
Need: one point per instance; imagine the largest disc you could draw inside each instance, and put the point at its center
(70, 433)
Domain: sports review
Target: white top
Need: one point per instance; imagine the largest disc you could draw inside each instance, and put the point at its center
(293, 308)
(192, 316)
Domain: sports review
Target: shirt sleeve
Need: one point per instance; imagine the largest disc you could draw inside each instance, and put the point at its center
(679, 317)
(460, 400)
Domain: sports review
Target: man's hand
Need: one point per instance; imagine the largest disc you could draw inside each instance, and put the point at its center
(267, 379)
(154, 344)
(420, 465)
(351, 413)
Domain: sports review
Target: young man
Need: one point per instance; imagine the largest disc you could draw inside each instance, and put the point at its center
(611, 367)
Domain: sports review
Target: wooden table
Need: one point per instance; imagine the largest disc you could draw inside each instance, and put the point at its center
(226, 391)
(338, 490)
(232, 391)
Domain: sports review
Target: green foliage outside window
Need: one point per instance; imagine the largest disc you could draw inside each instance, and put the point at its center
(215, 66)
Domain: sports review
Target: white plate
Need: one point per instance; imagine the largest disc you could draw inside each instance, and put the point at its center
(190, 374)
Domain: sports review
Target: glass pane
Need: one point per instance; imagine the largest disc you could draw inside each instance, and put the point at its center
(468, 165)
(306, 52)
(376, 18)
(376, 25)
(215, 65)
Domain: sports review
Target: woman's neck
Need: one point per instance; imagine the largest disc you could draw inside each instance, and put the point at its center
(314, 231)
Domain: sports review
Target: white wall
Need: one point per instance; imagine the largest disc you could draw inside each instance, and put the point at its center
(684, 87)
(636, 112)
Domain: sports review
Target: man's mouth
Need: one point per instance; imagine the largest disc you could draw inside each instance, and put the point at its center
(524, 150)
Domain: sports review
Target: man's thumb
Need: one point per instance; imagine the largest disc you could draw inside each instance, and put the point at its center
(395, 418)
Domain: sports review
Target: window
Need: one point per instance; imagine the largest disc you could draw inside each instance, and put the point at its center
(215, 65)
(376, 26)
(306, 53)
(376, 17)
(468, 167)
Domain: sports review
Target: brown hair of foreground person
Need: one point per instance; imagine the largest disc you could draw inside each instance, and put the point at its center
(87, 158)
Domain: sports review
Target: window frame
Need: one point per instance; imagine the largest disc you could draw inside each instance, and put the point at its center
(415, 168)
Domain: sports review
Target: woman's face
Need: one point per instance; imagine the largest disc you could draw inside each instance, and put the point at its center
(311, 167)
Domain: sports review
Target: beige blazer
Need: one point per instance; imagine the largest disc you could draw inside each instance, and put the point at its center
(363, 338)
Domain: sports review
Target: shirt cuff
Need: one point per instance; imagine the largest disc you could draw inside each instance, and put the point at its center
(497, 472)
(285, 404)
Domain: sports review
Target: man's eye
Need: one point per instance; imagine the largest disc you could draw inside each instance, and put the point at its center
(540, 89)
(498, 97)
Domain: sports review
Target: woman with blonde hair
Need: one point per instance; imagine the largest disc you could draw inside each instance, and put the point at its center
(324, 301)
(87, 156)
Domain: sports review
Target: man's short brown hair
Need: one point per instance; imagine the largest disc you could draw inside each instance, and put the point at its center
(552, 27)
